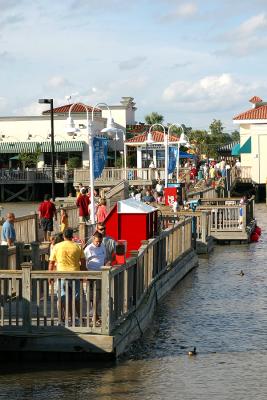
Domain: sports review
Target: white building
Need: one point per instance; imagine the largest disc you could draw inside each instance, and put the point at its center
(253, 139)
(27, 133)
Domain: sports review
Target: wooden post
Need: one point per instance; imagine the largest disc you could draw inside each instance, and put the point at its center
(35, 256)
(36, 226)
(26, 295)
(3, 257)
(203, 226)
(82, 231)
(19, 254)
(106, 300)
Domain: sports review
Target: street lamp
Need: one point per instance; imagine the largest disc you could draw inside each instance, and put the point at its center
(183, 140)
(51, 102)
(166, 148)
(71, 130)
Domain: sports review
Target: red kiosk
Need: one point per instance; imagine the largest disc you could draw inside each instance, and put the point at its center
(132, 221)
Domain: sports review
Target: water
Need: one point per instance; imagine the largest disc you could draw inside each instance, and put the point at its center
(220, 312)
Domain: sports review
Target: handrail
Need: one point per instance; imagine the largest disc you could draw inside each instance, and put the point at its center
(29, 301)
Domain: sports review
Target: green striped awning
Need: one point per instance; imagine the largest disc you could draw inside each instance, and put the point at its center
(63, 147)
(45, 147)
(18, 147)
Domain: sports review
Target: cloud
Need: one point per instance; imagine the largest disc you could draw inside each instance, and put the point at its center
(58, 82)
(211, 93)
(246, 39)
(186, 10)
(253, 24)
(131, 63)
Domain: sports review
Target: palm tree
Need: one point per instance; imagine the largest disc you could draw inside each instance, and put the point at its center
(154, 118)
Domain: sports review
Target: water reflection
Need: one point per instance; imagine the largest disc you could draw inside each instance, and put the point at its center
(215, 309)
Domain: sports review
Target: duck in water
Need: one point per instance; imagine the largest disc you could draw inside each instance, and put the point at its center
(193, 352)
(241, 273)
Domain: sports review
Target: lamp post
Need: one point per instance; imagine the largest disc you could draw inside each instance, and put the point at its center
(71, 130)
(51, 102)
(183, 140)
(166, 149)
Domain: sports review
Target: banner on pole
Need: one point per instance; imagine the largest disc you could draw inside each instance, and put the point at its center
(173, 152)
(100, 146)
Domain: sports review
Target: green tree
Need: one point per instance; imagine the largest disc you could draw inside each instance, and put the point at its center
(74, 162)
(154, 118)
(30, 160)
(235, 136)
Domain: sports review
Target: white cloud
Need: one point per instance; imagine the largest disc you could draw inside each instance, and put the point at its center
(186, 10)
(57, 82)
(247, 38)
(253, 24)
(211, 93)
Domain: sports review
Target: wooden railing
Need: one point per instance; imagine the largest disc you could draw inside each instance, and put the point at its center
(200, 226)
(209, 192)
(135, 176)
(228, 215)
(242, 173)
(35, 175)
(28, 230)
(28, 299)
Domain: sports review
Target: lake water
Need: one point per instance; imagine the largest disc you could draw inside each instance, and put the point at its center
(215, 309)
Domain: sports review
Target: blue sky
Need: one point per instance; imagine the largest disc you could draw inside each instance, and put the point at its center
(191, 61)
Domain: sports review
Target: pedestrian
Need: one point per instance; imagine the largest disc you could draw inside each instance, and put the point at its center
(108, 242)
(83, 203)
(64, 220)
(95, 253)
(68, 256)
(47, 211)
(8, 231)
(102, 211)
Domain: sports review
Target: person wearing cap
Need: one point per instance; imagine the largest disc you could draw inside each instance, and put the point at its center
(67, 256)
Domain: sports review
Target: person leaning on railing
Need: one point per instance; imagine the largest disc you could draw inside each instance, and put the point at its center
(8, 235)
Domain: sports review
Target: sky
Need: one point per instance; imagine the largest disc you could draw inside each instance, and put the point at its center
(191, 61)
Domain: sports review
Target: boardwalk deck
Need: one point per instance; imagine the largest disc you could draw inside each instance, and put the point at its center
(124, 296)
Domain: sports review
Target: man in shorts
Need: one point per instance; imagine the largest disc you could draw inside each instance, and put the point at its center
(67, 256)
(47, 211)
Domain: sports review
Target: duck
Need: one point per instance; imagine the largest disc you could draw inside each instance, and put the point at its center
(241, 273)
(193, 352)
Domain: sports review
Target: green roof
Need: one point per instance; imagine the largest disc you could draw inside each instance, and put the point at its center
(45, 147)
(236, 150)
(246, 148)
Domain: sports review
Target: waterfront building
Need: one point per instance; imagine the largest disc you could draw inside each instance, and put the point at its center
(146, 153)
(28, 133)
(253, 139)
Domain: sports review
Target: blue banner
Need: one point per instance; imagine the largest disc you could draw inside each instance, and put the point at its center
(173, 152)
(100, 146)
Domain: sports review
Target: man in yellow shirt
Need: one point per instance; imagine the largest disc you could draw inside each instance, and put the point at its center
(67, 256)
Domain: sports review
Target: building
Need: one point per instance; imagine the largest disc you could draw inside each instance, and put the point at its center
(146, 153)
(253, 139)
(28, 133)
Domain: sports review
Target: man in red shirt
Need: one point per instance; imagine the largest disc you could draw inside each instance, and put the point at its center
(47, 211)
(83, 203)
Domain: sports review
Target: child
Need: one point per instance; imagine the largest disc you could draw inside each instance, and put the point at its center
(64, 222)
(101, 211)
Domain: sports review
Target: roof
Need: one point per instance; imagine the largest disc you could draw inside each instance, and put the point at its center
(255, 100)
(158, 137)
(132, 206)
(45, 147)
(77, 108)
(255, 113)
